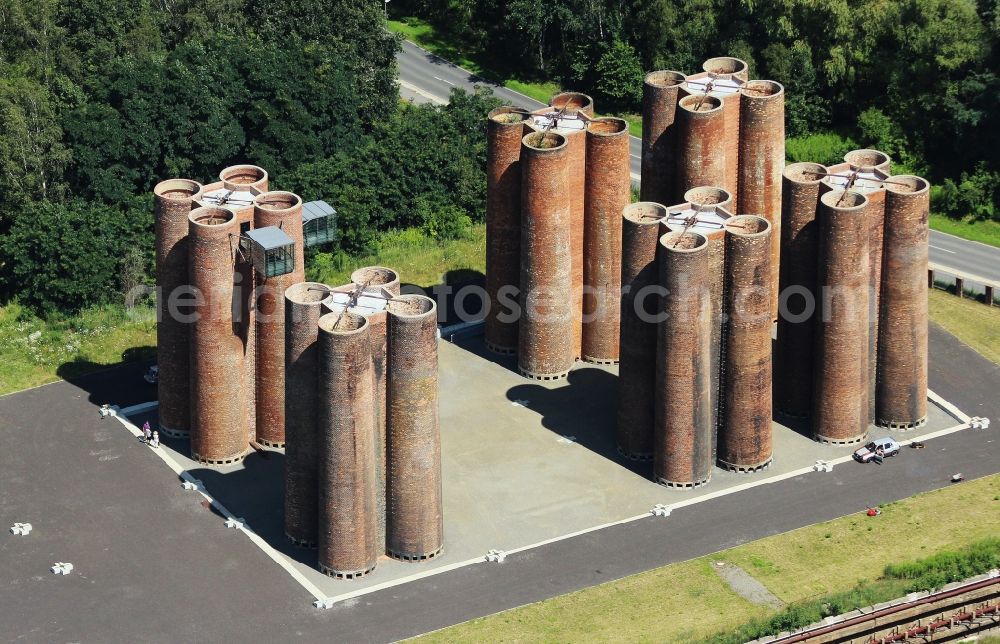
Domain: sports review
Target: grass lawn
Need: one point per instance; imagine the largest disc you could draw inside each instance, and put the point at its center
(687, 601)
(418, 259)
(987, 232)
(682, 602)
(974, 323)
(35, 351)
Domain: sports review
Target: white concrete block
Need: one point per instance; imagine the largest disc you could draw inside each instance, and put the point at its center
(237, 523)
(21, 529)
(823, 466)
(496, 556)
(661, 510)
(61, 568)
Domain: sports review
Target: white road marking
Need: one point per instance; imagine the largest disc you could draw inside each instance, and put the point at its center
(416, 90)
(944, 249)
(164, 455)
(326, 602)
(444, 81)
(951, 409)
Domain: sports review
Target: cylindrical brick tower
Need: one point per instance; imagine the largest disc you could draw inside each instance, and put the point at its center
(244, 177)
(545, 336)
(414, 504)
(572, 102)
(639, 307)
(504, 130)
(762, 158)
(378, 334)
(303, 309)
(745, 424)
(868, 182)
(372, 276)
(682, 402)
(348, 522)
(576, 142)
(725, 88)
(901, 394)
(869, 160)
(608, 192)
(174, 200)
(710, 196)
(660, 93)
(283, 210)
(217, 396)
(840, 400)
(701, 143)
(708, 220)
(798, 303)
(727, 66)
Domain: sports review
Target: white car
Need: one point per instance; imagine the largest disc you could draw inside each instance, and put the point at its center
(880, 447)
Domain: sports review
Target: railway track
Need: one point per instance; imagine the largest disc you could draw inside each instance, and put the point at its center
(954, 613)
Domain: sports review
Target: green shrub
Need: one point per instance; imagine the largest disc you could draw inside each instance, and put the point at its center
(827, 148)
(65, 256)
(897, 579)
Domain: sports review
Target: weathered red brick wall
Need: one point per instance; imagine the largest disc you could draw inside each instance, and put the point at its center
(546, 333)
(244, 177)
(609, 190)
(573, 102)
(762, 158)
(701, 143)
(217, 432)
(840, 403)
(372, 276)
(716, 282)
(869, 159)
(576, 141)
(682, 400)
(745, 426)
(637, 363)
(504, 130)
(794, 349)
(284, 210)
(710, 196)
(348, 528)
(174, 200)
(303, 308)
(414, 502)
(901, 394)
(727, 66)
(730, 152)
(660, 93)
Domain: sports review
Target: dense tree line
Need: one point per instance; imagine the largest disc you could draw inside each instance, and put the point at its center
(917, 78)
(101, 99)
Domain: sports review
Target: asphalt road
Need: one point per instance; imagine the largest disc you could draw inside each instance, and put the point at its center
(425, 77)
(153, 564)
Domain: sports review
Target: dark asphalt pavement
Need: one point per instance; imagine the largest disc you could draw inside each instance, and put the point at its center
(153, 564)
